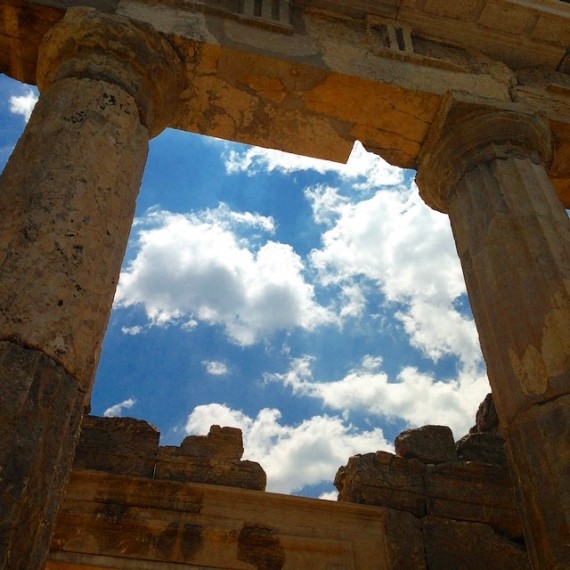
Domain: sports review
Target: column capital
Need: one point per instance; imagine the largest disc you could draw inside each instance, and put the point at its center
(88, 44)
(469, 131)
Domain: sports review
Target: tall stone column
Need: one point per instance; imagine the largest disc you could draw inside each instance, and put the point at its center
(485, 166)
(67, 198)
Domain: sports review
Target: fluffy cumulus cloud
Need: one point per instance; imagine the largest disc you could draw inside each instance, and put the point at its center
(23, 104)
(419, 399)
(406, 249)
(293, 456)
(363, 170)
(117, 410)
(192, 267)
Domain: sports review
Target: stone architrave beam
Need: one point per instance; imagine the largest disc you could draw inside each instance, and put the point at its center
(329, 72)
(67, 198)
(485, 164)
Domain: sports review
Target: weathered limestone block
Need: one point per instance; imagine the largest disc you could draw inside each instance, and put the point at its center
(454, 545)
(220, 443)
(474, 492)
(213, 459)
(117, 445)
(537, 440)
(428, 444)
(384, 480)
(40, 411)
(484, 447)
(127, 522)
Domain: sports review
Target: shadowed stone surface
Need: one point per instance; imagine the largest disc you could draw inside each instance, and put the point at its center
(260, 547)
(453, 545)
(40, 411)
(484, 447)
(537, 439)
(486, 419)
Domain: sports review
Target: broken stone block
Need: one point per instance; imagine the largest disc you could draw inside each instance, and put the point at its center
(428, 444)
(486, 419)
(174, 465)
(221, 443)
(484, 447)
(124, 446)
(384, 480)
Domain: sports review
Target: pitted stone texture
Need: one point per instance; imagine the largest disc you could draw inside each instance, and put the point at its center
(428, 444)
(67, 197)
(40, 410)
(455, 545)
(90, 44)
(538, 446)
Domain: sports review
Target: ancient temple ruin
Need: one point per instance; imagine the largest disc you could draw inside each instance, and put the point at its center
(475, 95)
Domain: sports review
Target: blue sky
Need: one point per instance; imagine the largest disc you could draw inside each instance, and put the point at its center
(319, 307)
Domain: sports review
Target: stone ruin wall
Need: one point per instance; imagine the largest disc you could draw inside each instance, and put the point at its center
(440, 504)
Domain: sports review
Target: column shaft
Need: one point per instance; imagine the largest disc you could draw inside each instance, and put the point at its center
(513, 238)
(67, 198)
(484, 163)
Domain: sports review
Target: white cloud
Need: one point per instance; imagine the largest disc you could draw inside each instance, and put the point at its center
(363, 169)
(23, 104)
(196, 267)
(117, 410)
(292, 456)
(397, 242)
(215, 368)
(133, 331)
(417, 398)
(329, 496)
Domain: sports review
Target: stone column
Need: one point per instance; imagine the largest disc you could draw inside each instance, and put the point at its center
(485, 166)
(67, 198)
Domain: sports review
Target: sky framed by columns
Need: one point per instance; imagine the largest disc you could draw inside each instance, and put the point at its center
(319, 307)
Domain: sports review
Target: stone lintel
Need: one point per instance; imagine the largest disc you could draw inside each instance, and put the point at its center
(468, 131)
